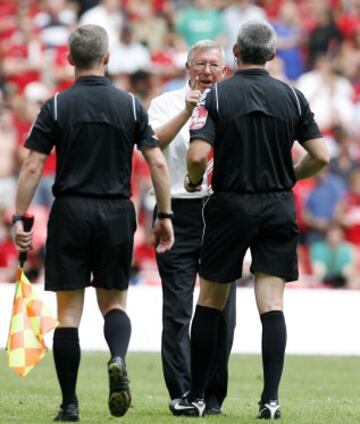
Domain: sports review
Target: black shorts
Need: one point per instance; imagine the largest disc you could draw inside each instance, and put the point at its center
(265, 223)
(90, 242)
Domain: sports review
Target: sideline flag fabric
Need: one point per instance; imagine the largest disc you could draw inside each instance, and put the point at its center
(30, 321)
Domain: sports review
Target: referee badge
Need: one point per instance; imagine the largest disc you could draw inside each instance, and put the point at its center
(198, 118)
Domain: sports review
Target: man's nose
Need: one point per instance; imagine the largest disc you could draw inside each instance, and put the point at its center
(207, 68)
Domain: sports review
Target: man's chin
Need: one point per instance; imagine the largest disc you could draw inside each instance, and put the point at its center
(206, 85)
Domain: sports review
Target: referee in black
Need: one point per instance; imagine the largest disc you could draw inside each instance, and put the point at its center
(251, 120)
(94, 127)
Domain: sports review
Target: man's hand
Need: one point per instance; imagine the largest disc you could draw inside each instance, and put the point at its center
(22, 239)
(164, 234)
(191, 187)
(192, 96)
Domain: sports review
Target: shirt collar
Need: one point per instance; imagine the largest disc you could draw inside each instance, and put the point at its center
(252, 71)
(93, 80)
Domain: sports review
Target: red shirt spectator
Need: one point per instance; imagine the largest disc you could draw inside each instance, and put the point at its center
(348, 212)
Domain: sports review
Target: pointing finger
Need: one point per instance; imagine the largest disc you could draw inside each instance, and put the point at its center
(195, 84)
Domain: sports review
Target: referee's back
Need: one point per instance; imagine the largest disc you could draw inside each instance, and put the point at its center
(253, 122)
(94, 127)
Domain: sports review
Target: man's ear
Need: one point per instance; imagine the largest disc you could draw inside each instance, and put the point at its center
(271, 57)
(236, 50)
(70, 59)
(106, 58)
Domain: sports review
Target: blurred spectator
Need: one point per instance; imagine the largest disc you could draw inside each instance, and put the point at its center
(201, 21)
(144, 262)
(320, 205)
(61, 70)
(8, 147)
(144, 85)
(84, 5)
(233, 16)
(107, 14)
(55, 22)
(137, 56)
(330, 95)
(289, 33)
(8, 252)
(169, 61)
(272, 7)
(276, 69)
(346, 160)
(349, 58)
(325, 38)
(333, 259)
(140, 180)
(22, 57)
(348, 210)
(349, 21)
(8, 18)
(150, 30)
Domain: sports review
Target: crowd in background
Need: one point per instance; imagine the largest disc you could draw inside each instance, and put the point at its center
(318, 52)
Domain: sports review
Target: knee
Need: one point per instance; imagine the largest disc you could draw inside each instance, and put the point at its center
(210, 301)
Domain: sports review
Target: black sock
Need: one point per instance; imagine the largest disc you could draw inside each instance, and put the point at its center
(273, 352)
(66, 352)
(204, 334)
(117, 332)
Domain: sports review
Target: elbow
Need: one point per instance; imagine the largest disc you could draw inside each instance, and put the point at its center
(323, 159)
(158, 164)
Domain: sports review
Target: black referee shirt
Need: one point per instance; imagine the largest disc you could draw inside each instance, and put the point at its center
(252, 120)
(94, 127)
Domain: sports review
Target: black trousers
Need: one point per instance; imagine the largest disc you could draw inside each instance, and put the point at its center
(178, 269)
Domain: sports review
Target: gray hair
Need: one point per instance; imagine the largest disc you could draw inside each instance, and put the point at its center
(205, 45)
(88, 45)
(256, 41)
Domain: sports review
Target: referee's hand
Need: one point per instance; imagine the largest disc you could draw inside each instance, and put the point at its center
(22, 239)
(192, 97)
(164, 234)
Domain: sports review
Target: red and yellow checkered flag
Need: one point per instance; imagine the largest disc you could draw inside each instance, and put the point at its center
(30, 321)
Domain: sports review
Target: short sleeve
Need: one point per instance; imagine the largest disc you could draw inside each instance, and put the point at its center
(42, 135)
(307, 128)
(144, 134)
(202, 125)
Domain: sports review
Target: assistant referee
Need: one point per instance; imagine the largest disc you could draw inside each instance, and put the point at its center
(252, 121)
(94, 127)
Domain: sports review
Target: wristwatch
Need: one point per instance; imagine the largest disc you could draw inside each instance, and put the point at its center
(165, 215)
(16, 218)
(191, 184)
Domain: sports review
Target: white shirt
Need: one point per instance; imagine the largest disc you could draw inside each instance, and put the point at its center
(128, 58)
(161, 110)
(327, 101)
(111, 22)
(233, 17)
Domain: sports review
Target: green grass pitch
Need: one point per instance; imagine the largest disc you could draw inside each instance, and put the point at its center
(314, 390)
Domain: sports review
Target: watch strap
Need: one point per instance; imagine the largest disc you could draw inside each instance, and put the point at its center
(165, 215)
